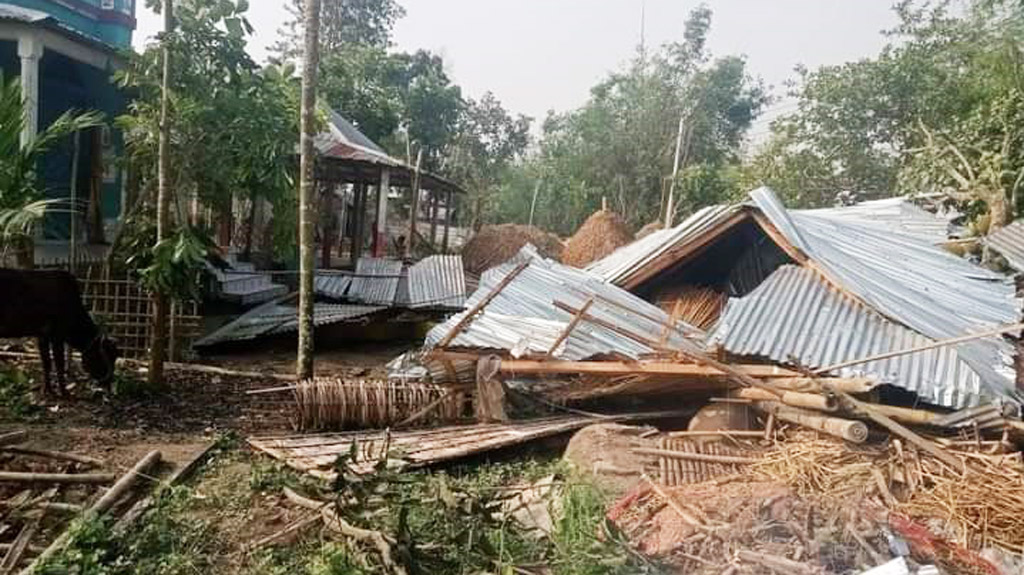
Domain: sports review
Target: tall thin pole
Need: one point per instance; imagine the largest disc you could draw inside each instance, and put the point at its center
(671, 208)
(533, 203)
(158, 351)
(307, 204)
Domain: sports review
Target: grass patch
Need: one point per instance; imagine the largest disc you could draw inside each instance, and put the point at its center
(443, 522)
(16, 394)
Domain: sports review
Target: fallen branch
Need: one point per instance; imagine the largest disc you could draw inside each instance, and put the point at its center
(294, 527)
(12, 437)
(73, 457)
(336, 523)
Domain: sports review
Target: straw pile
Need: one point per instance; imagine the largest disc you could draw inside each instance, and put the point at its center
(495, 245)
(330, 404)
(977, 506)
(602, 233)
(649, 229)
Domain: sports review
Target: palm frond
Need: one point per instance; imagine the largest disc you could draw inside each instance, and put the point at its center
(18, 222)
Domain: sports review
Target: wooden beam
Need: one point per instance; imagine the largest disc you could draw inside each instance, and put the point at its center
(539, 367)
(414, 206)
(568, 329)
(468, 318)
(449, 196)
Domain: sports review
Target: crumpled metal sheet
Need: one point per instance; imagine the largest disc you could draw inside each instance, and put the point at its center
(1009, 242)
(898, 214)
(624, 262)
(331, 285)
(274, 319)
(796, 315)
(529, 304)
(437, 282)
(375, 281)
(913, 283)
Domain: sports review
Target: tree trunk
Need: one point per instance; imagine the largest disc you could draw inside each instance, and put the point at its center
(158, 351)
(307, 189)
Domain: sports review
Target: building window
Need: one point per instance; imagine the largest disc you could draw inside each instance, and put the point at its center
(107, 4)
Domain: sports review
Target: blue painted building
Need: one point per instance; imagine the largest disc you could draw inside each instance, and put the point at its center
(65, 52)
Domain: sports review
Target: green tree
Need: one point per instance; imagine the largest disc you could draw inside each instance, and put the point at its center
(487, 141)
(936, 111)
(343, 24)
(620, 145)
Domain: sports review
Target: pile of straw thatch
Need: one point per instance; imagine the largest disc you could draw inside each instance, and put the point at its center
(602, 233)
(495, 245)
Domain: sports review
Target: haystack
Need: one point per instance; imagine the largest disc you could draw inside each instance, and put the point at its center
(602, 233)
(494, 245)
(649, 229)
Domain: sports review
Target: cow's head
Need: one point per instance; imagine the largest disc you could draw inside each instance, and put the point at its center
(100, 360)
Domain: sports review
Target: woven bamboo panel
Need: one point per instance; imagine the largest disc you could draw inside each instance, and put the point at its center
(673, 471)
(332, 404)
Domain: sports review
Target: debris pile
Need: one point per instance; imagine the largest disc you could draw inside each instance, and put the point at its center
(494, 245)
(602, 233)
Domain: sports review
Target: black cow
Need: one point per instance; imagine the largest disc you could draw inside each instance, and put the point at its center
(48, 305)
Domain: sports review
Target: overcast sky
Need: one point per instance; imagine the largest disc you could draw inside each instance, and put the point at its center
(539, 55)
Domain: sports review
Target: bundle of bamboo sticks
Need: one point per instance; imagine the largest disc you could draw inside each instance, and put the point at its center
(326, 404)
(699, 307)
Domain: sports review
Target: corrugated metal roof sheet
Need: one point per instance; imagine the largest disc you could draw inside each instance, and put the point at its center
(621, 264)
(898, 214)
(332, 285)
(1009, 242)
(437, 282)
(376, 281)
(909, 281)
(796, 314)
(533, 318)
(275, 318)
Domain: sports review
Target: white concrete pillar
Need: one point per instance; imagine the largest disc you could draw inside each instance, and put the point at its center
(30, 50)
(381, 241)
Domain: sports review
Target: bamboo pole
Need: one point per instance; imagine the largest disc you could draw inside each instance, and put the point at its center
(73, 457)
(935, 345)
(58, 478)
(815, 401)
(850, 430)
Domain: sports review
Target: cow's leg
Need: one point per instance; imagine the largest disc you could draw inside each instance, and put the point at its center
(44, 355)
(59, 353)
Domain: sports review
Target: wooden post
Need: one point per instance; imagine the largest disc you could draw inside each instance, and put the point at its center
(381, 239)
(435, 207)
(414, 206)
(490, 392)
(358, 217)
(328, 223)
(447, 219)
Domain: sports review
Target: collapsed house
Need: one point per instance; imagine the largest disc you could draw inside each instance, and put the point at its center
(818, 288)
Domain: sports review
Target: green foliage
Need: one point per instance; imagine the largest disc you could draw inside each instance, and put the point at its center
(16, 394)
(621, 144)
(938, 110)
(343, 23)
(169, 542)
(234, 126)
(176, 264)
